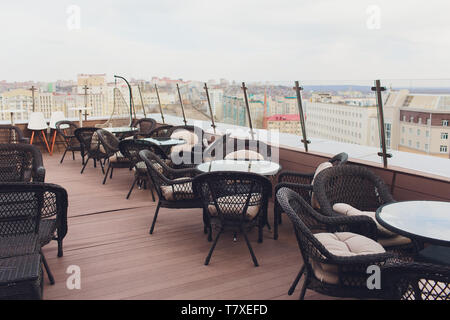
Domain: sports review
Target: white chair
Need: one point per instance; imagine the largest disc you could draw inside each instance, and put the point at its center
(56, 116)
(37, 122)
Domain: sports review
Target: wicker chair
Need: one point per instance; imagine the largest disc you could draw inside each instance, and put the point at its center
(234, 200)
(332, 274)
(26, 209)
(183, 155)
(173, 186)
(417, 281)
(300, 183)
(161, 131)
(21, 163)
(145, 126)
(110, 145)
(12, 134)
(90, 143)
(67, 130)
(362, 189)
(130, 149)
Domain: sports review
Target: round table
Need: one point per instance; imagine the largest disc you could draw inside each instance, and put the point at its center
(262, 167)
(165, 142)
(425, 220)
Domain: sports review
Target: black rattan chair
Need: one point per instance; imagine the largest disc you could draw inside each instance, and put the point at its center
(234, 200)
(417, 281)
(130, 149)
(110, 145)
(300, 183)
(21, 163)
(328, 273)
(26, 209)
(145, 127)
(173, 186)
(12, 134)
(362, 189)
(67, 130)
(90, 143)
(161, 131)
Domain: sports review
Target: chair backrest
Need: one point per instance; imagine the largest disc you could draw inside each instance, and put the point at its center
(350, 184)
(22, 205)
(11, 134)
(161, 131)
(233, 196)
(145, 125)
(108, 141)
(21, 163)
(88, 140)
(338, 159)
(130, 149)
(66, 128)
(236, 145)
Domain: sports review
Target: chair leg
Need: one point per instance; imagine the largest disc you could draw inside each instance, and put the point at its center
(250, 248)
(297, 279)
(106, 173)
(84, 165)
(60, 248)
(46, 143)
(112, 169)
(73, 155)
(102, 166)
(64, 154)
(47, 269)
(53, 142)
(305, 285)
(208, 258)
(154, 217)
(132, 186)
(32, 137)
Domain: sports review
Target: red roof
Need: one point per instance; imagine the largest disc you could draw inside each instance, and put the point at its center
(284, 117)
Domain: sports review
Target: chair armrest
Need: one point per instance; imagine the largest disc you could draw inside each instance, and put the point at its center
(295, 177)
(304, 190)
(39, 174)
(362, 225)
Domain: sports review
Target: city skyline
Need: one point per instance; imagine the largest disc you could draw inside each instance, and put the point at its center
(252, 40)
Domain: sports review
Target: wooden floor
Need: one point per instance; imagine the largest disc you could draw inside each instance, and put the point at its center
(108, 239)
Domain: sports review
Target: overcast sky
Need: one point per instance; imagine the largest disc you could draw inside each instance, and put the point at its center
(276, 40)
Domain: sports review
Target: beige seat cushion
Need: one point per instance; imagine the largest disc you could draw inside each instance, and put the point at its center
(244, 155)
(387, 238)
(342, 244)
(320, 168)
(235, 205)
(95, 143)
(118, 157)
(169, 192)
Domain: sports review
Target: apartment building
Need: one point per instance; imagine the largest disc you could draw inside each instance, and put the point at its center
(423, 122)
(287, 123)
(19, 100)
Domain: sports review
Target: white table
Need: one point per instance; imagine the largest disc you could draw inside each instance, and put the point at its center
(262, 167)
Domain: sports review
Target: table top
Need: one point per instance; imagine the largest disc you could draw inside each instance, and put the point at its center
(120, 129)
(161, 141)
(262, 167)
(426, 220)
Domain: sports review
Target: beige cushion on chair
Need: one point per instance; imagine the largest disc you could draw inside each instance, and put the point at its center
(342, 244)
(320, 168)
(387, 238)
(168, 192)
(244, 155)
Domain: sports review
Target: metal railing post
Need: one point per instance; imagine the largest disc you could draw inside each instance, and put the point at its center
(378, 88)
(213, 125)
(159, 102)
(244, 88)
(181, 103)
(297, 89)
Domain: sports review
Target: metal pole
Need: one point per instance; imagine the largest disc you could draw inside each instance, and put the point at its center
(378, 88)
(213, 125)
(244, 88)
(160, 107)
(297, 89)
(131, 98)
(142, 102)
(181, 103)
(85, 87)
(33, 89)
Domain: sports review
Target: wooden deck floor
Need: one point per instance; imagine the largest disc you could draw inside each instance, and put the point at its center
(108, 239)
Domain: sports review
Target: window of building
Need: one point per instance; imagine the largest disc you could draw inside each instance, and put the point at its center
(403, 140)
(443, 148)
(427, 133)
(444, 135)
(409, 143)
(445, 123)
(411, 119)
(418, 145)
(403, 129)
(418, 132)
(426, 146)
